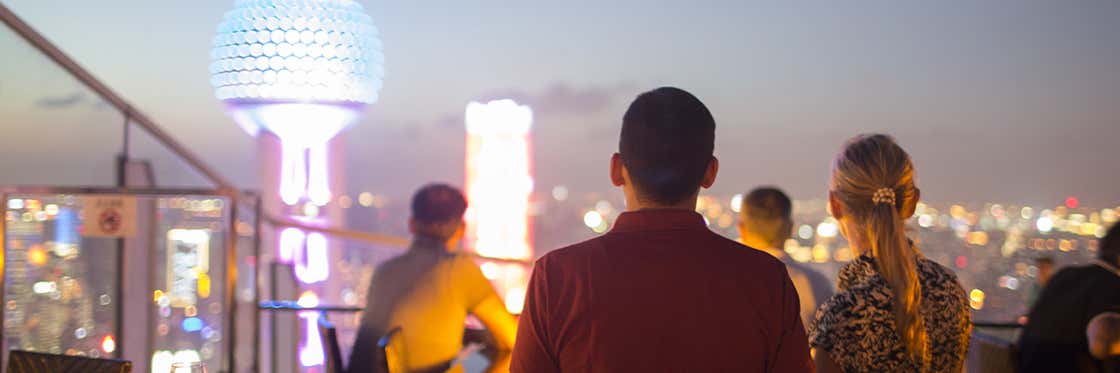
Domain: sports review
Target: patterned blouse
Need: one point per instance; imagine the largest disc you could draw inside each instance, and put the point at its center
(856, 326)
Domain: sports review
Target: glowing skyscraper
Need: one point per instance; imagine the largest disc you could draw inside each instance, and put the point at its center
(298, 72)
(499, 182)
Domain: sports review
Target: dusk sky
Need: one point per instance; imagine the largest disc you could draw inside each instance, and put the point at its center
(1008, 101)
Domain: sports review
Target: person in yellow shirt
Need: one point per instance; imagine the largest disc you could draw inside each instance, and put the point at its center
(421, 299)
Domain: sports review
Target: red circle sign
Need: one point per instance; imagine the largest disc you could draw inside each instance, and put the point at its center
(110, 221)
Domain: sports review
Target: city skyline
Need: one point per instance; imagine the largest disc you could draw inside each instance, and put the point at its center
(1008, 103)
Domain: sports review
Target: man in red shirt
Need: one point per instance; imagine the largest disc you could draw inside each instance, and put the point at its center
(660, 292)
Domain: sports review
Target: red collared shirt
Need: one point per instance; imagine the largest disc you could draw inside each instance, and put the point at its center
(660, 293)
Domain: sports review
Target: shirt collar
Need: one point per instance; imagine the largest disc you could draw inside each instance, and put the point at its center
(658, 220)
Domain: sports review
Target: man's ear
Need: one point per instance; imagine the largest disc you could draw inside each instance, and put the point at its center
(617, 169)
(412, 226)
(710, 173)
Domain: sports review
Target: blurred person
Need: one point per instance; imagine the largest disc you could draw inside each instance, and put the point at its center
(1045, 265)
(660, 292)
(895, 311)
(1104, 340)
(422, 298)
(765, 222)
(1053, 340)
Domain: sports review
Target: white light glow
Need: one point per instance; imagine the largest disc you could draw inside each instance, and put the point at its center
(737, 203)
(44, 287)
(498, 179)
(296, 29)
(560, 193)
(312, 264)
(291, 240)
(805, 231)
(827, 229)
(1044, 224)
(161, 361)
(592, 219)
(311, 353)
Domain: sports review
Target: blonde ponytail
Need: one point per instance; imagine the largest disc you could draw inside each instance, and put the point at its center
(873, 179)
(897, 263)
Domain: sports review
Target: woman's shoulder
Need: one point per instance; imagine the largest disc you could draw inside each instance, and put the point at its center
(936, 276)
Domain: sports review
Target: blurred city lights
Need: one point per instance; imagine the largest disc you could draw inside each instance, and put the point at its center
(976, 299)
(108, 344)
(560, 193)
(828, 229)
(1044, 224)
(604, 207)
(805, 231)
(1071, 202)
(925, 221)
(592, 219)
(365, 199)
(737, 203)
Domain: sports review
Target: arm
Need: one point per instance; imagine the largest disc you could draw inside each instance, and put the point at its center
(793, 347)
(484, 304)
(502, 327)
(532, 352)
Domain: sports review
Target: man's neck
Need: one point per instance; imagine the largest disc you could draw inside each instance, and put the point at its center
(633, 203)
(424, 241)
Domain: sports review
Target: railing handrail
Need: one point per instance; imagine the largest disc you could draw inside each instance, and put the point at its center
(375, 238)
(41, 43)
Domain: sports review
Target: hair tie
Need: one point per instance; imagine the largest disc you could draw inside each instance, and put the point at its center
(883, 195)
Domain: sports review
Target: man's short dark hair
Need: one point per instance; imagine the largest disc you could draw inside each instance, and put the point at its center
(1109, 250)
(768, 213)
(1044, 260)
(667, 140)
(438, 204)
(767, 203)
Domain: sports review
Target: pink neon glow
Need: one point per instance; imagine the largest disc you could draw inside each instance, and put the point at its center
(318, 184)
(311, 353)
(293, 174)
(304, 130)
(312, 264)
(498, 179)
(291, 240)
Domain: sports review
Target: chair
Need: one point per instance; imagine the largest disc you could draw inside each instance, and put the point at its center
(38, 362)
(329, 337)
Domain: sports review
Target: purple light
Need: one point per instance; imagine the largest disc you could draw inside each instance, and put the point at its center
(312, 264)
(291, 240)
(311, 354)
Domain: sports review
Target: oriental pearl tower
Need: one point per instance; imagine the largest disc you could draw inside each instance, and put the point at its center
(295, 74)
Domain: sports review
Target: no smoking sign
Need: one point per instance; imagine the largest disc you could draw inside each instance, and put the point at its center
(108, 216)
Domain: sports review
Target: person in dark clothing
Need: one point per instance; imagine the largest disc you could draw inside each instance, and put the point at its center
(660, 292)
(422, 298)
(1054, 338)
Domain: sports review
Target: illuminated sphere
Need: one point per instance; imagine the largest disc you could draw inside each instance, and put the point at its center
(321, 51)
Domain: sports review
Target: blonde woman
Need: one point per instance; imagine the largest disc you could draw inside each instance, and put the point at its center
(895, 311)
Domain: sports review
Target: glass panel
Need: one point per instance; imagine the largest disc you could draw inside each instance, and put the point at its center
(60, 288)
(167, 168)
(189, 273)
(49, 120)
